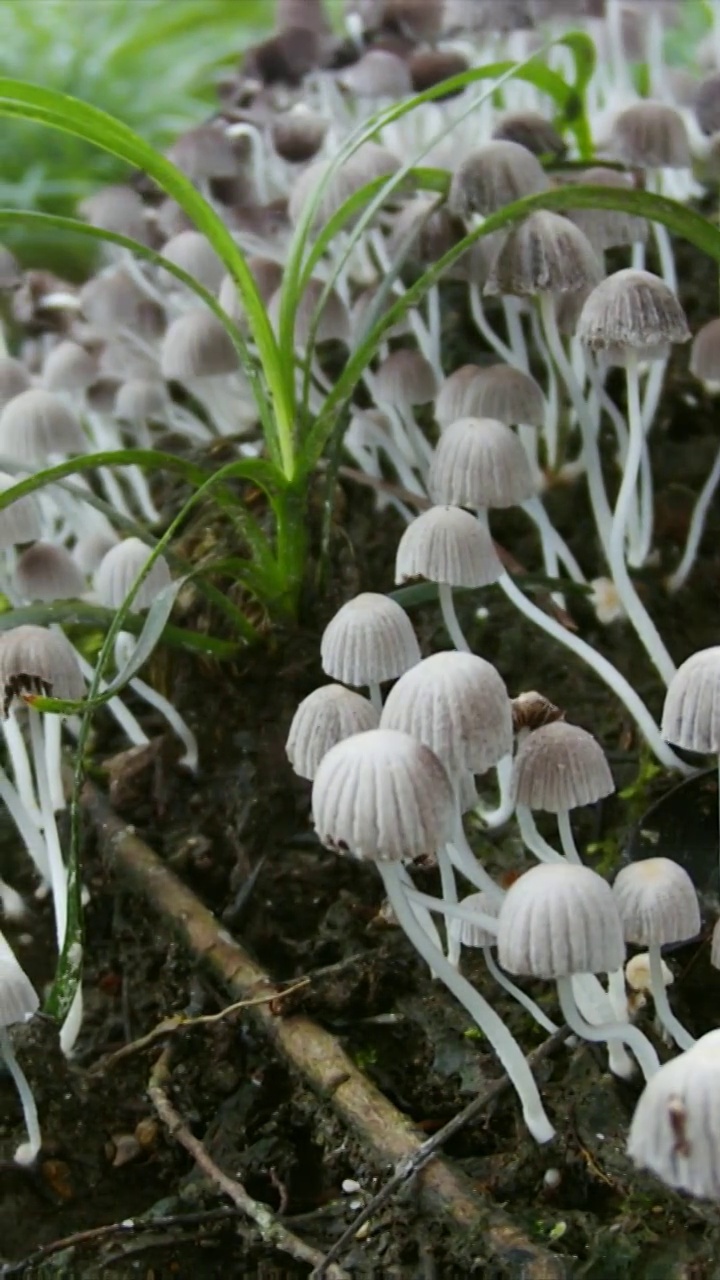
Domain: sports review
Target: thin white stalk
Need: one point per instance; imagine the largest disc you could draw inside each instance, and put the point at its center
(125, 718)
(532, 839)
(27, 1153)
(550, 430)
(679, 577)
(464, 860)
(70, 1029)
(567, 838)
(609, 674)
(27, 826)
(450, 618)
(673, 1025)
(618, 995)
(484, 327)
(173, 717)
(375, 695)
(516, 333)
(22, 772)
(52, 731)
(517, 993)
(450, 896)
(508, 1051)
(504, 811)
(451, 911)
(638, 1044)
(56, 865)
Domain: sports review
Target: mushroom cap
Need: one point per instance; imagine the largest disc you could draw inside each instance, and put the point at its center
(475, 935)
(69, 367)
(35, 660)
(424, 231)
(37, 423)
(705, 352)
(479, 462)
(447, 545)
(657, 902)
(457, 704)
(141, 400)
(632, 311)
(559, 919)
(609, 228)
(691, 714)
(560, 766)
(118, 570)
(21, 520)
(509, 395)
(14, 378)
(382, 796)
(327, 716)
(707, 104)
(18, 998)
(675, 1131)
(298, 134)
(194, 254)
(545, 253)
(378, 74)
(196, 345)
(650, 135)
(370, 639)
(405, 378)
(45, 571)
(532, 131)
(458, 396)
(494, 175)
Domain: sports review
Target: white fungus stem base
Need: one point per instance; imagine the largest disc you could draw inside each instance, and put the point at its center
(672, 1025)
(26, 1153)
(638, 1044)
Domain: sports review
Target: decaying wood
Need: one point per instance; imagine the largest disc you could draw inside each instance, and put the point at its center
(388, 1137)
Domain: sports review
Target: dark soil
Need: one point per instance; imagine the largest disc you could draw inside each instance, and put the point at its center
(240, 835)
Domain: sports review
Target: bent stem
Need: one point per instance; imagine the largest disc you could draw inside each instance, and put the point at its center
(638, 1044)
(27, 1099)
(517, 993)
(506, 1047)
(56, 865)
(450, 618)
(672, 1025)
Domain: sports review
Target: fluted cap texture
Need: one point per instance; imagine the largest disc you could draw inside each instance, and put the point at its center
(650, 135)
(657, 902)
(370, 639)
(479, 462)
(545, 253)
(473, 934)
(457, 704)
(493, 176)
(691, 714)
(560, 766)
(632, 310)
(34, 660)
(559, 919)
(382, 796)
(448, 545)
(327, 716)
(509, 395)
(118, 570)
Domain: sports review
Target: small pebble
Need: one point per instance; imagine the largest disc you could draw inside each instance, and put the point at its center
(350, 1186)
(552, 1179)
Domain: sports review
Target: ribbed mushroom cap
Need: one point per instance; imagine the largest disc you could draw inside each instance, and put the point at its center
(707, 104)
(369, 162)
(424, 231)
(509, 395)
(475, 935)
(116, 208)
(559, 919)
(447, 544)
(378, 74)
(417, 20)
(691, 714)
(480, 463)
(382, 796)
(370, 639)
(14, 378)
(493, 176)
(458, 395)
(657, 902)
(112, 301)
(34, 660)
(327, 716)
(650, 135)
(20, 522)
(405, 378)
(457, 704)
(69, 367)
(197, 346)
(632, 311)
(560, 766)
(193, 253)
(429, 67)
(204, 153)
(37, 423)
(267, 275)
(89, 552)
(675, 1131)
(141, 400)
(298, 134)
(45, 571)
(18, 998)
(532, 131)
(545, 253)
(120, 567)
(705, 353)
(609, 228)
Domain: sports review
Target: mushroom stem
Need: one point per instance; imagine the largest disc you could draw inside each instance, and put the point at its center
(451, 911)
(450, 618)
(504, 811)
(464, 860)
(449, 893)
(56, 865)
(124, 647)
(26, 825)
(623, 1031)
(532, 839)
(506, 1047)
(517, 994)
(375, 694)
(682, 1038)
(567, 838)
(26, 1153)
(697, 525)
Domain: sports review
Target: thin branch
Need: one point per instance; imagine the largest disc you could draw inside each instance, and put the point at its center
(269, 1229)
(409, 1168)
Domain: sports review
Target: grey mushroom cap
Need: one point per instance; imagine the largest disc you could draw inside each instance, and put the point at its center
(546, 253)
(369, 162)
(707, 104)
(609, 228)
(691, 714)
(382, 796)
(632, 311)
(560, 766)
(327, 716)
(458, 396)
(448, 545)
(378, 74)
(473, 934)
(69, 367)
(48, 572)
(118, 570)
(457, 704)
(509, 395)
(479, 462)
(675, 1131)
(657, 902)
(21, 520)
(34, 660)
(194, 254)
(14, 378)
(650, 135)
(37, 423)
(557, 920)
(18, 998)
(705, 353)
(495, 175)
(141, 400)
(405, 378)
(715, 946)
(532, 131)
(196, 345)
(370, 640)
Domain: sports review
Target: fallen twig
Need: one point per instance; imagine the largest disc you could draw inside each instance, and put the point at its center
(409, 1169)
(387, 1137)
(270, 1230)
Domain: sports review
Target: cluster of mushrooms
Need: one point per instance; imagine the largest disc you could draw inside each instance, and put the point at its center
(550, 307)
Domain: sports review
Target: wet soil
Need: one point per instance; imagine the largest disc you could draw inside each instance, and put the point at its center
(239, 834)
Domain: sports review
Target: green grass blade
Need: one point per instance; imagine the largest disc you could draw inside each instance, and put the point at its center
(95, 617)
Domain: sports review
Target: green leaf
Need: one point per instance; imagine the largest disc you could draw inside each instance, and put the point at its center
(81, 613)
